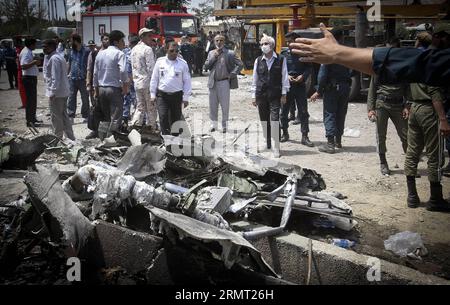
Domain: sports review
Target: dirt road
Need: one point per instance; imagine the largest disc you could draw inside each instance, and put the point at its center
(378, 201)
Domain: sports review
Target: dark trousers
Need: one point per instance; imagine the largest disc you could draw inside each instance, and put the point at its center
(30, 86)
(269, 114)
(296, 97)
(12, 75)
(169, 111)
(335, 105)
(109, 107)
(75, 86)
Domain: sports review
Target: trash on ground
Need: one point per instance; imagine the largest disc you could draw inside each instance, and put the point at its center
(406, 244)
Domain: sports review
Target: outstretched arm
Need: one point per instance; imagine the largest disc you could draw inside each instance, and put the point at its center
(327, 51)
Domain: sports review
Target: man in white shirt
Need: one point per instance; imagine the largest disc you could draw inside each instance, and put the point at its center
(269, 88)
(170, 85)
(57, 89)
(30, 71)
(143, 62)
(110, 83)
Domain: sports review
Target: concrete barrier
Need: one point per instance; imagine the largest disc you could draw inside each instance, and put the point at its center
(288, 255)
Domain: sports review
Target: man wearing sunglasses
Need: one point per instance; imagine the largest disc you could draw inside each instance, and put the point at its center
(224, 66)
(170, 86)
(269, 88)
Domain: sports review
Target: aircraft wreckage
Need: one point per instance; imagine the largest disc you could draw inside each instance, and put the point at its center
(188, 200)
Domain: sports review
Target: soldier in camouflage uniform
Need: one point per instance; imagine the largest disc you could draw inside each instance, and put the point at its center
(386, 102)
(426, 121)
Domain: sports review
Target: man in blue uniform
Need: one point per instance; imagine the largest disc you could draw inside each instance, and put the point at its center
(298, 74)
(334, 85)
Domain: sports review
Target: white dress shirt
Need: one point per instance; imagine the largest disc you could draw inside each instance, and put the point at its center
(26, 57)
(142, 63)
(284, 74)
(171, 76)
(56, 81)
(110, 68)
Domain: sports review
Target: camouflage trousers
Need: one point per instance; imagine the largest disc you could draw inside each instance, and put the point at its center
(145, 109)
(423, 132)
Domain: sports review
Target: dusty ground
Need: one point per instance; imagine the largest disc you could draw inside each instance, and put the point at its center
(377, 201)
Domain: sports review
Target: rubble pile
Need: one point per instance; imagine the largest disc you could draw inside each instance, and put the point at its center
(136, 182)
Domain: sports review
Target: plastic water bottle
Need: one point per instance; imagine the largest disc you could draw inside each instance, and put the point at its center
(343, 243)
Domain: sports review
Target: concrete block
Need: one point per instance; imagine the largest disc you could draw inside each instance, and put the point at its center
(288, 256)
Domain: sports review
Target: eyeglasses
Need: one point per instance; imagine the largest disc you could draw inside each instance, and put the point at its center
(219, 40)
(174, 51)
(264, 44)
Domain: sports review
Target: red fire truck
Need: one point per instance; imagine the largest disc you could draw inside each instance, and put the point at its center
(131, 18)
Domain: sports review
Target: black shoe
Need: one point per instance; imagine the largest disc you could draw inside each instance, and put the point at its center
(437, 202)
(338, 142)
(384, 167)
(305, 141)
(329, 147)
(285, 136)
(224, 130)
(33, 124)
(413, 199)
(92, 135)
(212, 129)
(296, 122)
(291, 117)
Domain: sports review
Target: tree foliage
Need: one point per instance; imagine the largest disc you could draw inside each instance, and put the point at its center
(204, 11)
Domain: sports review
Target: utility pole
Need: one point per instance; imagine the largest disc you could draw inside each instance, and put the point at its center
(49, 10)
(27, 12)
(65, 9)
(56, 10)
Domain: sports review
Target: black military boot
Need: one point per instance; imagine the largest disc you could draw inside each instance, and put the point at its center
(413, 199)
(306, 141)
(339, 142)
(328, 147)
(437, 201)
(285, 136)
(384, 167)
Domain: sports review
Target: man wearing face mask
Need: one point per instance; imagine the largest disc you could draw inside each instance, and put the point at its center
(269, 88)
(78, 59)
(110, 83)
(224, 67)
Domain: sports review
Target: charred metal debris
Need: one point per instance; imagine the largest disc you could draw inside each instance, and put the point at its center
(145, 184)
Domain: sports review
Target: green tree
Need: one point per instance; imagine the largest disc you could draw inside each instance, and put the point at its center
(204, 11)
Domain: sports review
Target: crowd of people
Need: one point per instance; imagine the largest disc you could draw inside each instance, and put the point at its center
(134, 85)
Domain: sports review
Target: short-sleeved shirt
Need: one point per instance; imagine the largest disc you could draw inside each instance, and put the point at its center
(26, 57)
(423, 93)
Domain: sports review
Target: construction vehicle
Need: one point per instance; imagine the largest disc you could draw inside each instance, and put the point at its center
(277, 17)
(131, 18)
